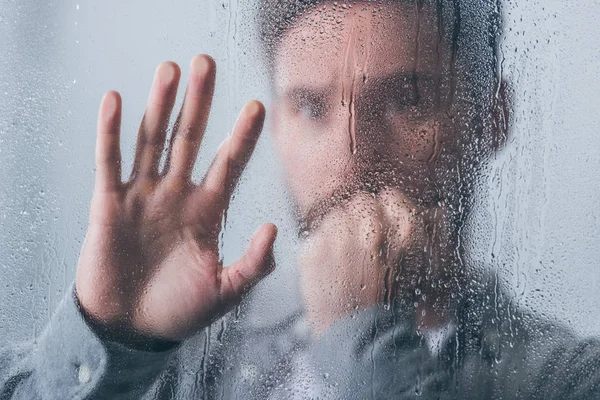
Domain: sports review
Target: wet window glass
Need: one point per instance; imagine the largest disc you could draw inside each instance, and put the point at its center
(263, 199)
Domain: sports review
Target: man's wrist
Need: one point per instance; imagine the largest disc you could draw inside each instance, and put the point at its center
(124, 334)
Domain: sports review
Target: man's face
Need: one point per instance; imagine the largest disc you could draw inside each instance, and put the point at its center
(360, 120)
(358, 104)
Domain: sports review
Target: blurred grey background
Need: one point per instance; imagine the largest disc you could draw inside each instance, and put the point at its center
(539, 203)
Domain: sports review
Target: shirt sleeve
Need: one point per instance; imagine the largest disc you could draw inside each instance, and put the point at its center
(69, 361)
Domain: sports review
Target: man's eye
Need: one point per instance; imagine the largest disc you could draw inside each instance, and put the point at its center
(398, 103)
(310, 107)
(400, 98)
(313, 110)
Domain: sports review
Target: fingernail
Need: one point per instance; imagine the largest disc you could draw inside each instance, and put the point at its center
(202, 64)
(166, 72)
(109, 105)
(253, 108)
(276, 230)
(223, 143)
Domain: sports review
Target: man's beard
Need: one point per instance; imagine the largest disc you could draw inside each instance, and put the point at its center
(416, 185)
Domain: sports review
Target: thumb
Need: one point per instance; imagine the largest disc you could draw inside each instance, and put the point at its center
(255, 264)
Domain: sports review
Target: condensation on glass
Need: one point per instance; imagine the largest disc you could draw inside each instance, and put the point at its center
(431, 166)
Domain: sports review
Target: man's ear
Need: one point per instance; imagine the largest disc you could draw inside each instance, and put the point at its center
(501, 115)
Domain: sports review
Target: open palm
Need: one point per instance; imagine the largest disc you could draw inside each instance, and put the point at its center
(150, 262)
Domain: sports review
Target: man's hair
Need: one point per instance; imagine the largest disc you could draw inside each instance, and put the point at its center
(470, 27)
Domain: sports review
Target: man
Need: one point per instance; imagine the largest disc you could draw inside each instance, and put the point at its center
(385, 114)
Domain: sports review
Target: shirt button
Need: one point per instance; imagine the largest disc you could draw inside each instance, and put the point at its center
(84, 374)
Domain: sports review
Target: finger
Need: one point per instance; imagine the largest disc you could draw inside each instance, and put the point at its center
(108, 153)
(234, 153)
(153, 129)
(191, 123)
(255, 264)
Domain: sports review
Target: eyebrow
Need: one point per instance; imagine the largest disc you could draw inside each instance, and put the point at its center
(302, 91)
(378, 81)
(402, 76)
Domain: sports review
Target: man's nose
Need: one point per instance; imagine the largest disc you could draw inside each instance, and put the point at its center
(367, 132)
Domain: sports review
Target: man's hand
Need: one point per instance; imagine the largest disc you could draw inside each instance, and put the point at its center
(150, 262)
(360, 254)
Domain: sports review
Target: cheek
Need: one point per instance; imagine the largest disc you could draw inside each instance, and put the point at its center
(316, 157)
(416, 142)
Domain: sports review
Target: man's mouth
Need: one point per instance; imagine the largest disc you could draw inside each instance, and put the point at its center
(367, 183)
(320, 208)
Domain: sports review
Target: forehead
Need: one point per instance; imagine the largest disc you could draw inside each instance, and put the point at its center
(333, 41)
